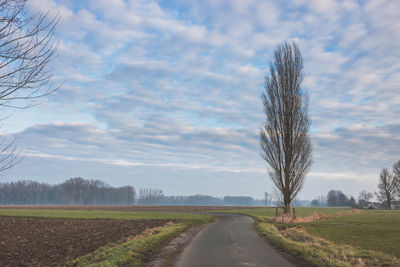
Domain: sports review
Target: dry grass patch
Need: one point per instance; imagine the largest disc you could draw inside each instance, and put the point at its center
(288, 218)
(152, 231)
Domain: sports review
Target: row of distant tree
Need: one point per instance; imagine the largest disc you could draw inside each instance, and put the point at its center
(79, 191)
(74, 191)
(388, 193)
(150, 196)
(336, 198)
(203, 200)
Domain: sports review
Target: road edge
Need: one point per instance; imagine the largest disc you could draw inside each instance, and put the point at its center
(170, 253)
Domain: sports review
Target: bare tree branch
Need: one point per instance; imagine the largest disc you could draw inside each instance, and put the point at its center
(26, 49)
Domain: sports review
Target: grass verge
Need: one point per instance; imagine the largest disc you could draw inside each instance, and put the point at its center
(135, 251)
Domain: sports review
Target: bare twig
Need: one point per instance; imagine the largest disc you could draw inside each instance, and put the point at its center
(26, 49)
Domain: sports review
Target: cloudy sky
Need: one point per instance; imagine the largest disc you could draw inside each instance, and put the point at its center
(166, 94)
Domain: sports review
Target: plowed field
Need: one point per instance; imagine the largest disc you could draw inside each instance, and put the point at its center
(128, 208)
(44, 241)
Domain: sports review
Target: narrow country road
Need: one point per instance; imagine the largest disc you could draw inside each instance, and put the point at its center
(229, 242)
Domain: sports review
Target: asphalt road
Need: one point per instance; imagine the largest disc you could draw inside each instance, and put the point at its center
(229, 242)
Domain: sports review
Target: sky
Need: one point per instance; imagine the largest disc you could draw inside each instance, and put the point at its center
(166, 94)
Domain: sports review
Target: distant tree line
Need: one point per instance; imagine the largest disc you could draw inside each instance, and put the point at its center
(320, 201)
(238, 201)
(336, 198)
(79, 191)
(149, 196)
(204, 200)
(388, 193)
(74, 191)
(194, 200)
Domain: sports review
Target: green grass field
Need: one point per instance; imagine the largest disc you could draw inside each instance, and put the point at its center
(263, 213)
(101, 214)
(377, 230)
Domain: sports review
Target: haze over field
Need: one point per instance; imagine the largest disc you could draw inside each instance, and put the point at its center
(166, 94)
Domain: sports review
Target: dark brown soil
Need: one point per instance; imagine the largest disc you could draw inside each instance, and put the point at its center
(127, 208)
(45, 241)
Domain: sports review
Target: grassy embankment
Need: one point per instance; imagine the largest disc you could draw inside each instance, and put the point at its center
(134, 251)
(367, 238)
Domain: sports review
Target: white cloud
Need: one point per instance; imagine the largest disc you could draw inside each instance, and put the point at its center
(176, 85)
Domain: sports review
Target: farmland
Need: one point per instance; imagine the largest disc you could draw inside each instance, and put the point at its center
(51, 241)
(126, 235)
(54, 235)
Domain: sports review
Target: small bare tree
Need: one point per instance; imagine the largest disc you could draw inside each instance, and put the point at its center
(387, 188)
(26, 48)
(285, 139)
(267, 199)
(364, 197)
